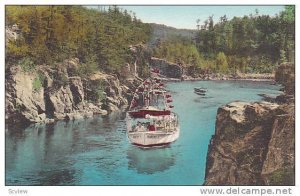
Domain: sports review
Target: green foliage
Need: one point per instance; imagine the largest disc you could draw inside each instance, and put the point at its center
(88, 68)
(54, 33)
(37, 84)
(253, 43)
(60, 80)
(282, 57)
(221, 62)
(289, 14)
(179, 51)
(27, 64)
(15, 52)
(142, 61)
(100, 92)
(38, 81)
(96, 91)
(261, 64)
(144, 71)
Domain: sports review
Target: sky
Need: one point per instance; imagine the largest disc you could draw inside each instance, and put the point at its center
(186, 16)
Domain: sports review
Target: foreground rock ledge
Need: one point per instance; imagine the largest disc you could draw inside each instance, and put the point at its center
(253, 145)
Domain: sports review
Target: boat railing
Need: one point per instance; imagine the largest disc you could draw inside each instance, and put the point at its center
(157, 126)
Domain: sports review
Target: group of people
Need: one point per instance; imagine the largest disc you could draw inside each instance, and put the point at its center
(141, 127)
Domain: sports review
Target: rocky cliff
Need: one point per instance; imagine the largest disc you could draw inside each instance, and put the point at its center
(254, 143)
(55, 92)
(168, 69)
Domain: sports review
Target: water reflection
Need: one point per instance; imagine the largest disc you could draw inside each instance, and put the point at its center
(150, 161)
(47, 154)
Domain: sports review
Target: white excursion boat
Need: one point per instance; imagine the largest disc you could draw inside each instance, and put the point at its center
(150, 121)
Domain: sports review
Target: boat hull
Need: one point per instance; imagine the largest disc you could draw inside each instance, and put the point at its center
(198, 93)
(153, 139)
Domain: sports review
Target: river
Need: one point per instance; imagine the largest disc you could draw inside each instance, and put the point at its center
(96, 151)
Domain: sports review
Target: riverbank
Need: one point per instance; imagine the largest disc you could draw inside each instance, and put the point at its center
(239, 76)
(170, 71)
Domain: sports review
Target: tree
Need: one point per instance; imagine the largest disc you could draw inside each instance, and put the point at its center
(287, 20)
(282, 56)
(221, 63)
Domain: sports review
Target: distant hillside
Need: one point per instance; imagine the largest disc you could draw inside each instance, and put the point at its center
(163, 32)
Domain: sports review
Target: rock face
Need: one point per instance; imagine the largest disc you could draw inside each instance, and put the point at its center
(279, 165)
(285, 74)
(60, 94)
(23, 104)
(239, 146)
(166, 68)
(115, 92)
(254, 143)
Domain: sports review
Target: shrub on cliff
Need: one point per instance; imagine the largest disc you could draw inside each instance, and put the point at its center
(27, 65)
(38, 81)
(95, 91)
(86, 69)
(60, 80)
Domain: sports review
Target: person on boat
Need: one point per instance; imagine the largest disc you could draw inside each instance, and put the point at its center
(139, 127)
(151, 127)
(159, 123)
